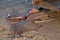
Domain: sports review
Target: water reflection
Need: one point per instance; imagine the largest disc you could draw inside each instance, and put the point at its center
(14, 2)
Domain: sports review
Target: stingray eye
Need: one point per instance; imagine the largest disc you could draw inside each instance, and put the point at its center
(8, 16)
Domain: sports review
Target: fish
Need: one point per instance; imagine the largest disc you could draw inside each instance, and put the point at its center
(23, 27)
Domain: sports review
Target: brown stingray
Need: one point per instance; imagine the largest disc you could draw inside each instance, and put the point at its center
(23, 27)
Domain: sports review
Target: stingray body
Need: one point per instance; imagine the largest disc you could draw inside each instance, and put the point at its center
(23, 27)
(24, 24)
